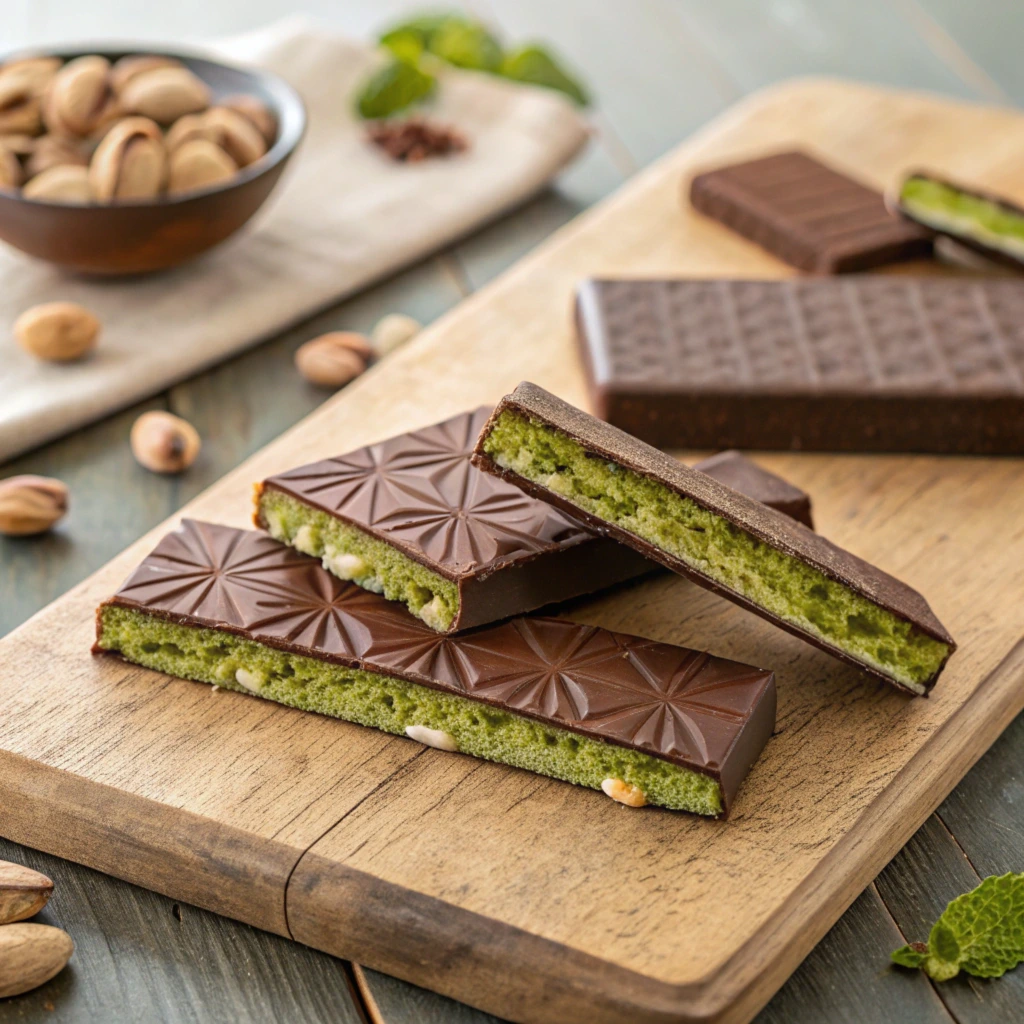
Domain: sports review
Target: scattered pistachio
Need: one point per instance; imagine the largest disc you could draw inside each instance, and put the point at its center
(165, 93)
(393, 331)
(198, 164)
(31, 505)
(164, 443)
(130, 162)
(23, 892)
(65, 183)
(258, 113)
(57, 331)
(332, 360)
(31, 954)
(623, 793)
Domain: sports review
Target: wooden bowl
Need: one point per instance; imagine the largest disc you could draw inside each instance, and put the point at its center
(139, 236)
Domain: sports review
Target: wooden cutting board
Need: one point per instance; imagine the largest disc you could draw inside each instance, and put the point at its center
(533, 899)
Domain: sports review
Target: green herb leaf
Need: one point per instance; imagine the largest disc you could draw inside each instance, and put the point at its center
(422, 28)
(404, 44)
(466, 44)
(981, 932)
(392, 88)
(537, 66)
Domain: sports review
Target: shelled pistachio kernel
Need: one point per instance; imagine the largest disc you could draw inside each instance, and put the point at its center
(57, 331)
(623, 793)
(393, 331)
(164, 443)
(31, 504)
(333, 359)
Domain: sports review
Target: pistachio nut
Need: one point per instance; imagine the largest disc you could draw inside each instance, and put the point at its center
(199, 164)
(130, 162)
(165, 94)
(331, 360)
(65, 183)
(19, 144)
(79, 100)
(187, 128)
(163, 442)
(57, 331)
(237, 135)
(10, 169)
(256, 111)
(131, 67)
(31, 954)
(53, 151)
(31, 504)
(19, 103)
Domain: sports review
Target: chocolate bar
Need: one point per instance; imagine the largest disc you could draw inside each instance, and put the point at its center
(412, 519)
(689, 522)
(866, 363)
(646, 722)
(808, 214)
(739, 473)
(979, 220)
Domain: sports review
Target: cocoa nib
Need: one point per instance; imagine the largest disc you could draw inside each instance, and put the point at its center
(415, 139)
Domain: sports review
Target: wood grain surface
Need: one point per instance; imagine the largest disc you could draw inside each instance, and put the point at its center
(371, 847)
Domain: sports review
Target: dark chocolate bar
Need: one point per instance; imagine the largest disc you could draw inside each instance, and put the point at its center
(237, 609)
(739, 473)
(808, 214)
(980, 220)
(749, 553)
(865, 363)
(463, 548)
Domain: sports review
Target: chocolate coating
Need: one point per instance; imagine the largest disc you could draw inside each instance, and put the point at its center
(708, 714)
(765, 524)
(738, 473)
(508, 552)
(808, 214)
(865, 363)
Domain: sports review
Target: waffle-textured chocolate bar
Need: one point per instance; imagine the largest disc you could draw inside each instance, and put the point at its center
(235, 608)
(808, 214)
(863, 363)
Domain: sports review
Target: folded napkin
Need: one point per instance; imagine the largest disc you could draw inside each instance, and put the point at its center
(343, 216)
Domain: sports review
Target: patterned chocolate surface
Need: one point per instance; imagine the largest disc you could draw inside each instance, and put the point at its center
(684, 706)
(881, 335)
(807, 214)
(419, 492)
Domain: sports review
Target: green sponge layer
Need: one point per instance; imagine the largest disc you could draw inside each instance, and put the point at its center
(949, 209)
(394, 705)
(783, 585)
(352, 554)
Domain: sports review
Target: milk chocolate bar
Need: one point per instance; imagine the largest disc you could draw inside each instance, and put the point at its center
(645, 722)
(689, 522)
(808, 214)
(866, 363)
(412, 519)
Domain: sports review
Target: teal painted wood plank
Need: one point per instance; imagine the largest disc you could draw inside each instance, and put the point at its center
(760, 43)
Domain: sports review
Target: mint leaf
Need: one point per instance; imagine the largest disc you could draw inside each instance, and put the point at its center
(981, 932)
(537, 66)
(392, 88)
(422, 28)
(404, 44)
(466, 44)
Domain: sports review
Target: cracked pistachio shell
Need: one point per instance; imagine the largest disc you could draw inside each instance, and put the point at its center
(187, 128)
(65, 183)
(20, 106)
(199, 164)
(53, 151)
(40, 70)
(128, 68)
(10, 168)
(130, 162)
(79, 100)
(31, 505)
(165, 94)
(236, 135)
(256, 111)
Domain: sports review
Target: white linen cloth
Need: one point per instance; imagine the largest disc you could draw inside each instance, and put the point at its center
(343, 215)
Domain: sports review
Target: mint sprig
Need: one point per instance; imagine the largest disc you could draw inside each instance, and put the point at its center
(980, 933)
(393, 87)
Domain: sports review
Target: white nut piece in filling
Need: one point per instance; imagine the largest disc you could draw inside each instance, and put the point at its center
(623, 793)
(346, 565)
(433, 614)
(304, 540)
(431, 737)
(252, 681)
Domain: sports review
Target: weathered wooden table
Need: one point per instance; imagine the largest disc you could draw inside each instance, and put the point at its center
(659, 68)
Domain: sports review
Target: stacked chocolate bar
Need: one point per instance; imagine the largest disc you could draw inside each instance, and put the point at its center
(390, 587)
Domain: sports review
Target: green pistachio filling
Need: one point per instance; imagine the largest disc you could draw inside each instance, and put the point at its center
(949, 209)
(778, 582)
(395, 706)
(352, 554)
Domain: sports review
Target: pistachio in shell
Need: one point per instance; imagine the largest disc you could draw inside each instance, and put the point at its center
(65, 183)
(54, 151)
(128, 68)
(256, 111)
(20, 107)
(130, 162)
(165, 94)
(19, 144)
(79, 100)
(187, 128)
(236, 135)
(199, 164)
(10, 169)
